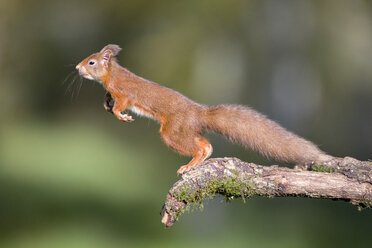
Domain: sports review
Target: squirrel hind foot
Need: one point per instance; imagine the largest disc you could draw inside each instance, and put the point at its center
(331, 162)
(328, 160)
(202, 154)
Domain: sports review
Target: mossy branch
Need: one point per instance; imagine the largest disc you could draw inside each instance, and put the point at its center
(350, 180)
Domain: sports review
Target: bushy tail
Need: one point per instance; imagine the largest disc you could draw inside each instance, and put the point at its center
(253, 130)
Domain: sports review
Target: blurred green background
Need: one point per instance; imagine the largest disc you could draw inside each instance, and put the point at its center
(71, 175)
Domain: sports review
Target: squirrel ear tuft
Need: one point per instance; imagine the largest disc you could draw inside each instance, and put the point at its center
(115, 49)
(107, 52)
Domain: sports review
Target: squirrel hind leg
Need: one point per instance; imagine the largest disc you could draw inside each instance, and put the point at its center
(203, 152)
(187, 143)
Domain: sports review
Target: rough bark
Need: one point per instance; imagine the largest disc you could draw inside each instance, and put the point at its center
(350, 180)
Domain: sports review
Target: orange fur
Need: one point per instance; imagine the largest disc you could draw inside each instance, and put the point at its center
(183, 121)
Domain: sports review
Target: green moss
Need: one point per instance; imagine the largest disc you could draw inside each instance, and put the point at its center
(234, 188)
(364, 203)
(324, 168)
(229, 187)
(183, 193)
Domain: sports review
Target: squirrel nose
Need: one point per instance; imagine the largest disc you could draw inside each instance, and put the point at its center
(78, 67)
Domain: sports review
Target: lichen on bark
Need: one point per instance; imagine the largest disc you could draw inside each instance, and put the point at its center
(350, 180)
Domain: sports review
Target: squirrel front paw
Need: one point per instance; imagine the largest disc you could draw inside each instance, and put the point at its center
(107, 107)
(125, 117)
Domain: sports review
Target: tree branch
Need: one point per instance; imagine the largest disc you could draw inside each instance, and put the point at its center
(350, 180)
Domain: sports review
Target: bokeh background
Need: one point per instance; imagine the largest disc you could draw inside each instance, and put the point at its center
(71, 175)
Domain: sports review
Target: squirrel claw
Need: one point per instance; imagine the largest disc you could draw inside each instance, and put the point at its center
(183, 169)
(126, 118)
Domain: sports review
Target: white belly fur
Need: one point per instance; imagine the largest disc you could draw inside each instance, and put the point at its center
(138, 112)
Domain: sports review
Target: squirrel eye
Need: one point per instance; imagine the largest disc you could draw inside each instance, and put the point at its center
(91, 62)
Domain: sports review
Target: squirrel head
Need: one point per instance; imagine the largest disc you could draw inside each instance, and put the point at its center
(97, 65)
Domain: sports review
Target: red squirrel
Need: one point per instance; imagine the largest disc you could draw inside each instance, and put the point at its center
(183, 121)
